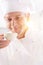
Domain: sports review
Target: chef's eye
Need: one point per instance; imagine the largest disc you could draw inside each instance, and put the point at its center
(17, 18)
(9, 19)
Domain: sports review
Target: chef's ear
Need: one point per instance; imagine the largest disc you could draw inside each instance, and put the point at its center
(6, 16)
(27, 16)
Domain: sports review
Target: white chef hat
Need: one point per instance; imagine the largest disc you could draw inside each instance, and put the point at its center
(16, 5)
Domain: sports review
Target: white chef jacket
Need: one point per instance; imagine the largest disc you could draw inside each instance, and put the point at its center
(26, 51)
(14, 54)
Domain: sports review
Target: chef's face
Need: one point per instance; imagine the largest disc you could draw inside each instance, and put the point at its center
(15, 21)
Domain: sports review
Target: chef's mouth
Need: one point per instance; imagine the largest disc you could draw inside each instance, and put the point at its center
(17, 30)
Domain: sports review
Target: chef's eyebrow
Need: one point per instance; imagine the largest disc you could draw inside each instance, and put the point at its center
(20, 15)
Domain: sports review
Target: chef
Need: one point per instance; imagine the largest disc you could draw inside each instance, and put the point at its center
(22, 46)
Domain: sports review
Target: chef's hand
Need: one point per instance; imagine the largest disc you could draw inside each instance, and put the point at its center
(3, 43)
(1, 36)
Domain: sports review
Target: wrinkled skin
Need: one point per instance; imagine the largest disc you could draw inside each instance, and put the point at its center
(16, 23)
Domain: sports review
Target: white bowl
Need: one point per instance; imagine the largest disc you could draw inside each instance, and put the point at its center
(4, 30)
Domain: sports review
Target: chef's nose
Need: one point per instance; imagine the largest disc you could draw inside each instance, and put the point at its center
(12, 25)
